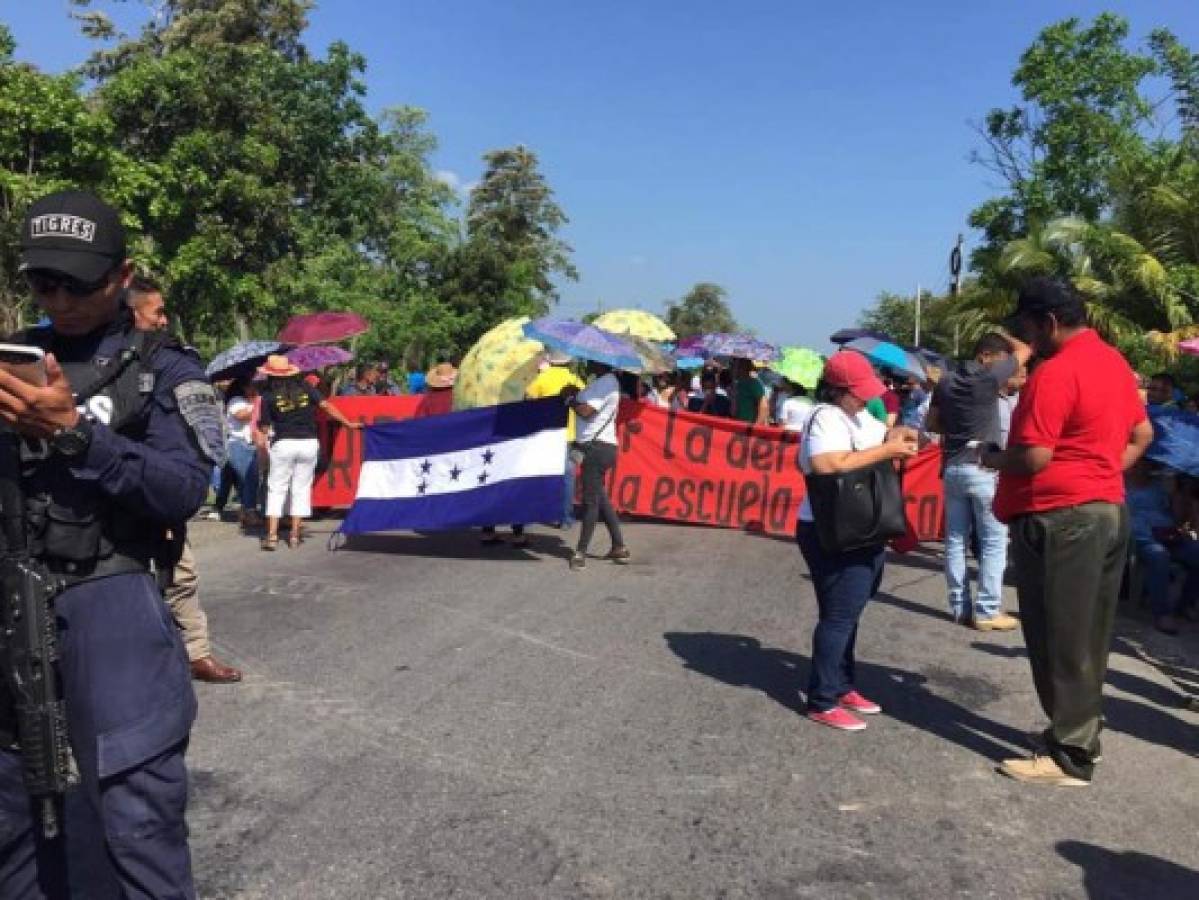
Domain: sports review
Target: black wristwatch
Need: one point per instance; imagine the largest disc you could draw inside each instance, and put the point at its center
(73, 442)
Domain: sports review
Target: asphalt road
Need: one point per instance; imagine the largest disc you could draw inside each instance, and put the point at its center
(423, 717)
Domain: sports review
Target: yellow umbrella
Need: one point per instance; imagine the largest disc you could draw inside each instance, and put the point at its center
(498, 368)
(636, 322)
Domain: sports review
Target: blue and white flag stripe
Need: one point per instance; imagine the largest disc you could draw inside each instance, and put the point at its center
(497, 465)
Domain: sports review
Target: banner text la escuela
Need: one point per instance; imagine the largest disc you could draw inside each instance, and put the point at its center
(672, 465)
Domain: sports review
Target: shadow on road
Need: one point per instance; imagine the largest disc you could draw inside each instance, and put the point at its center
(1145, 722)
(742, 661)
(912, 606)
(455, 545)
(1112, 875)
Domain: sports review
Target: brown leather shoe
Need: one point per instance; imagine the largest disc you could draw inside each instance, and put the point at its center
(207, 668)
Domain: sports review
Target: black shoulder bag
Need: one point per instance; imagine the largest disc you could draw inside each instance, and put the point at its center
(856, 509)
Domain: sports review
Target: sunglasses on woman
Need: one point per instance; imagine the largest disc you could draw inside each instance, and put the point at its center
(45, 283)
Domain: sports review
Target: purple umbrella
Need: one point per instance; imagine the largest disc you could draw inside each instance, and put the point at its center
(743, 346)
(318, 356)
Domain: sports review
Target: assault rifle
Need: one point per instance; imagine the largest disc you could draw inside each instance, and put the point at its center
(29, 649)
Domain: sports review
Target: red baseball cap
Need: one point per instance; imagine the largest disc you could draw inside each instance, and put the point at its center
(851, 370)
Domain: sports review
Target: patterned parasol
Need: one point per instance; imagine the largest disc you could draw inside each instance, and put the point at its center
(636, 322)
(742, 346)
(498, 368)
(312, 357)
(585, 342)
(240, 359)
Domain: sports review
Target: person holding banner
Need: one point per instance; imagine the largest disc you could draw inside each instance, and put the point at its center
(597, 406)
(842, 436)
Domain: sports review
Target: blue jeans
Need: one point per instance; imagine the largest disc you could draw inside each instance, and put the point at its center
(844, 584)
(1156, 558)
(241, 469)
(568, 503)
(969, 493)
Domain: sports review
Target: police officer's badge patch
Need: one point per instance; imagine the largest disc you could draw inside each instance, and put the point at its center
(200, 408)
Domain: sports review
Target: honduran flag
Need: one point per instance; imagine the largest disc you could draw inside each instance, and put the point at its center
(492, 466)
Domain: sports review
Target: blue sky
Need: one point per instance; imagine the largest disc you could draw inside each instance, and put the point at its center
(804, 155)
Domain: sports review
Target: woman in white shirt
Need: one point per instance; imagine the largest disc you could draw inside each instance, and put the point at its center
(842, 436)
(597, 406)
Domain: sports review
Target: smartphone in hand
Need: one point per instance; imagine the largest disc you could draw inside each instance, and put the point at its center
(24, 362)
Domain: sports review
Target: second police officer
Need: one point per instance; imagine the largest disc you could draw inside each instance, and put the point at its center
(120, 445)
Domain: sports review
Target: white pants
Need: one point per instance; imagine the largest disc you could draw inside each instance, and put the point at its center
(293, 465)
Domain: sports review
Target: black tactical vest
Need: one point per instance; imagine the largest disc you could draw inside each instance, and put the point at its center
(78, 531)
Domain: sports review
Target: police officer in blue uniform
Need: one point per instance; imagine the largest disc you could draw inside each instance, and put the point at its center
(119, 444)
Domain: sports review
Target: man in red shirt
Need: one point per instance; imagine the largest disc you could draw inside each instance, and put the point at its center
(1079, 424)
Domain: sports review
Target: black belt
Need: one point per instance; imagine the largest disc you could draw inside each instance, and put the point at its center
(119, 563)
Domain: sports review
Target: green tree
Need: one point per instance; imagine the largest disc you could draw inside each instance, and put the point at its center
(895, 314)
(262, 185)
(50, 139)
(1127, 289)
(511, 253)
(702, 310)
(1082, 111)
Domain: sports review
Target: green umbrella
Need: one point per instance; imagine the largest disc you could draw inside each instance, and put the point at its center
(801, 365)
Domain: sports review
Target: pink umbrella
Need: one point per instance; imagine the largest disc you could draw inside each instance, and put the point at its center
(322, 328)
(1190, 346)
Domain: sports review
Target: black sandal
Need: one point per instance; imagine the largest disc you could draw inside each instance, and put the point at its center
(270, 543)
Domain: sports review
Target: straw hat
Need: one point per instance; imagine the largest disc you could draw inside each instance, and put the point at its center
(278, 366)
(441, 376)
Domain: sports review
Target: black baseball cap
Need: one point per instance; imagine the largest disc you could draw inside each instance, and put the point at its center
(73, 233)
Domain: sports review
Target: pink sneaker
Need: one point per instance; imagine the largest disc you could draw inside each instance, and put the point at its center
(838, 718)
(859, 704)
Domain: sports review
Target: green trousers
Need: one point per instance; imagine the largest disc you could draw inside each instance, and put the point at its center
(1068, 566)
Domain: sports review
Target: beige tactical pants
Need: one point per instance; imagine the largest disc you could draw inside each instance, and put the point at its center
(183, 599)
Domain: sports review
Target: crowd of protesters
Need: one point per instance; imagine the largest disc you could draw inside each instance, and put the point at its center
(1044, 483)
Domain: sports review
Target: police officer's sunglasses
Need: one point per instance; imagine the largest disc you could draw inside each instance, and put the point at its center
(45, 282)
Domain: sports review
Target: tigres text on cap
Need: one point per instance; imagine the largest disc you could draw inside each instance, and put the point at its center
(62, 226)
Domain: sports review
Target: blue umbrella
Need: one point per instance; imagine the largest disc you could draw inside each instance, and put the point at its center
(240, 359)
(886, 355)
(1175, 440)
(585, 342)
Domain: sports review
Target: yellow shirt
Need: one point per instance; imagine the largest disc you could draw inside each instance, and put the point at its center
(549, 383)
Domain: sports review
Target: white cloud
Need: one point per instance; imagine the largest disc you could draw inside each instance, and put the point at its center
(454, 182)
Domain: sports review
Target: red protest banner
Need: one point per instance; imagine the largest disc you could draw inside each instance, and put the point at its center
(341, 449)
(672, 465)
(714, 471)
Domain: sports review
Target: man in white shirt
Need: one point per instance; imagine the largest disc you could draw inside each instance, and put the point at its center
(597, 406)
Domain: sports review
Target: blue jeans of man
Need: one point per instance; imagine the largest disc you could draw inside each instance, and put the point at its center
(844, 584)
(1157, 558)
(241, 469)
(969, 493)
